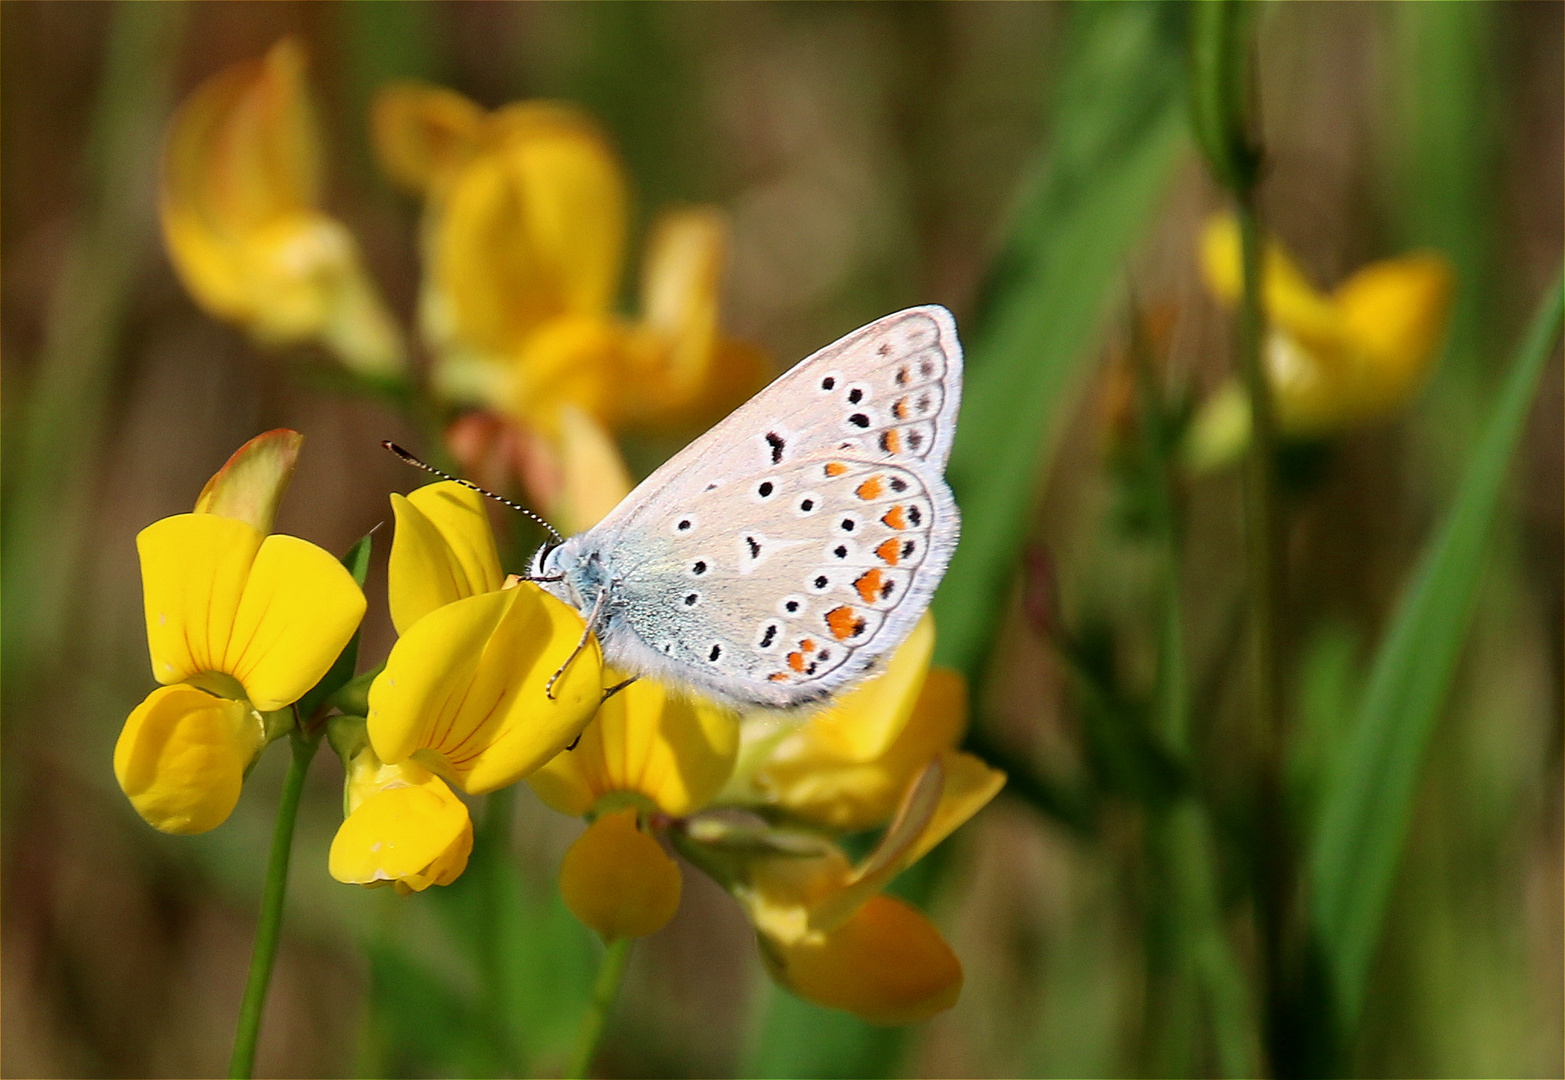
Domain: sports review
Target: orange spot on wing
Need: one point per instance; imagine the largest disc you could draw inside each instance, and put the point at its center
(889, 551)
(807, 645)
(835, 468)
(778, 676)
(891, 441)
(899, 410)
(870, 489)
(868, 585)
(895, 518)
(841, 622)
(796, 661)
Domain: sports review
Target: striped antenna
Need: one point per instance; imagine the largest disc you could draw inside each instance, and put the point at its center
(414, 459)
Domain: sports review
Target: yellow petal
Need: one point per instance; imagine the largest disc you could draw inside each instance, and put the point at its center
(679, 301)
(675, 750)
(300, 606)
(252, 482)
(1292, 303)
(1395, 313)
(411, 834)
(182, 756)
(595, 475)
(807, 779)
(443, 550)
(193, 573)
(423, 133)
(464, 688)
(618, 880)
(574, 360)
(242, 151)
(864, 721)
(887, 964)
(532, 229)
(949, 791)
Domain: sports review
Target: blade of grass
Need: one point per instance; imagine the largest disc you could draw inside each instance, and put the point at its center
(1116, 130)
(1369, 796)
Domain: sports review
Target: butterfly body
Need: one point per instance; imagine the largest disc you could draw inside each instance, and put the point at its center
(778, 557)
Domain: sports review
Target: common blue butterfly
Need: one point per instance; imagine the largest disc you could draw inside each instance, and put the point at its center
(779, 556)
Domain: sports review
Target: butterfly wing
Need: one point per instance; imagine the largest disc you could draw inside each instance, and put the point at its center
(776, 557)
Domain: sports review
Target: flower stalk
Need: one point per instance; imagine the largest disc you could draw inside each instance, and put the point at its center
(611, 973)
(1224, 118)
(242, 1064)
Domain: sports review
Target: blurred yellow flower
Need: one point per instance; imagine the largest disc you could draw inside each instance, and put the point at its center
(650, 752)
(884, 753)
(1351, 357)
(240, 204)
(239, 624)
(403, 827)
(825, 930)
(524, 243)
(463, 692)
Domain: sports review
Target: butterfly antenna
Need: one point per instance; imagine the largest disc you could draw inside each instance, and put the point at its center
(413, 459)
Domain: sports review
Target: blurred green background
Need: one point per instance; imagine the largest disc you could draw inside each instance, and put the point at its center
(1031, 167)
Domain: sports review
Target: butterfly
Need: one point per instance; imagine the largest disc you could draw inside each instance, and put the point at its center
(777, 558)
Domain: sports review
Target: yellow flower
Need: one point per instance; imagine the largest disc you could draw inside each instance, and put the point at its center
(240, 205)
(240, 624)
(651, 753)
(524, 241)
(825, 930)
(403, 827)
(884, 752)
(1351, 357)
(463, 692)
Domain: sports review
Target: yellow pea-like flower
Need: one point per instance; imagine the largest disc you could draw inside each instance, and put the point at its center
(665, 754)
(828, 934)
(404, 827)
(526, 210)
(240, 204)
(466, 689)
(1337, 360)
(239, 624)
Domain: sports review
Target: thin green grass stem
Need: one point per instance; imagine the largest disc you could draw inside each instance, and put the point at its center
(494, 839)
(611, 973)
(242, 1064)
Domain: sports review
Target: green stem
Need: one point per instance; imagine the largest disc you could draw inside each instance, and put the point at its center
(611, 973)
(495, 848)
(242, 1064)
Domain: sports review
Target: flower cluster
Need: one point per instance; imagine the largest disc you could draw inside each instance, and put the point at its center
(491, 680)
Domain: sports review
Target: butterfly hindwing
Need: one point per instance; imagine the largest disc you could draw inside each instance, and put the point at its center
(799, 581)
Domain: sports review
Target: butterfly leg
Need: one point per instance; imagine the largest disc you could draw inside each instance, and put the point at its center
(617, 687)
(586, 633)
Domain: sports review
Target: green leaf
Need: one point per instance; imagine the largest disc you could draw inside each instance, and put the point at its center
(1370, 794)
(1117, 127)
(357, 560)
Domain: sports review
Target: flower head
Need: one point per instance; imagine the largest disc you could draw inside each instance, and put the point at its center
(466, 691)
(524, 236)
(239, 624)
(242, 221)
(1335, 360)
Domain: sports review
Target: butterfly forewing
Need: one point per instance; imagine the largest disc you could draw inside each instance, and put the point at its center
(778, 555)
